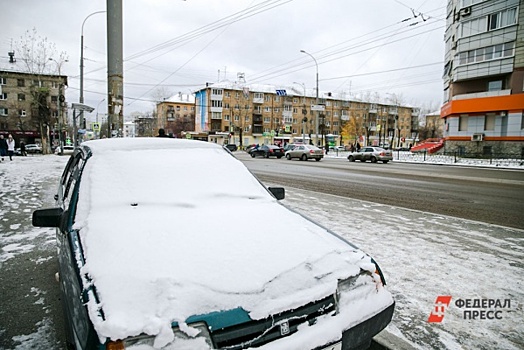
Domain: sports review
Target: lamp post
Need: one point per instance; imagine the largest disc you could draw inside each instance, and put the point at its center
(81, 99)
(316, 117)
(61, 100)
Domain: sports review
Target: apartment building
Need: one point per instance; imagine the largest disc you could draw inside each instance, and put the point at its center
(240, 113)
(21, 116)
(176, 114)
(484, 77)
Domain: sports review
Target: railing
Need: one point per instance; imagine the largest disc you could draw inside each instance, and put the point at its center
(455, 157)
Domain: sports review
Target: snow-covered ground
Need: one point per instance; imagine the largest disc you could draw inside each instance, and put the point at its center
(422, 255)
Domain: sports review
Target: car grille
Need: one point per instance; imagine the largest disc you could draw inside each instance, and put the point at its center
(260, 332)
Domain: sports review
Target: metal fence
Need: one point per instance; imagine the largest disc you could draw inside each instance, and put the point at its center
(495, 159)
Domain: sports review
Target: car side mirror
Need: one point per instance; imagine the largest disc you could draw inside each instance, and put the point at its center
(47, 217)
(278, 192)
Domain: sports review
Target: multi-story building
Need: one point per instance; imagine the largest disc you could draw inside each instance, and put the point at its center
(176, 114)
(484, 76)
(21, 115)
(234, 112)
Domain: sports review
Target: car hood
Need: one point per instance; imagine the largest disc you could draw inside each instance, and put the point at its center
(195, 249)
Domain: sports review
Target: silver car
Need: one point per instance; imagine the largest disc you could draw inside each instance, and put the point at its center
(305, 152)
(373, 154)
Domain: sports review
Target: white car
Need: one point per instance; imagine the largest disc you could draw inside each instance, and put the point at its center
(67, 150)
(148, 258)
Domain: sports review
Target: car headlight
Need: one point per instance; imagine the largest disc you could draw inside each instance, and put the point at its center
(145, 342)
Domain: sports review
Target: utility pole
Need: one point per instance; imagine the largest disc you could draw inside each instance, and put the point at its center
(115, 72)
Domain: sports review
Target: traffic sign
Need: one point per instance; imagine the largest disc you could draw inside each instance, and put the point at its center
(96, 126)
(318, 107)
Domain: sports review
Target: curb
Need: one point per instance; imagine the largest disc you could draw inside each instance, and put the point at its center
(386, 340)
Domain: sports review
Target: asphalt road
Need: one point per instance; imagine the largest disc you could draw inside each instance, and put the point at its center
(490, 195)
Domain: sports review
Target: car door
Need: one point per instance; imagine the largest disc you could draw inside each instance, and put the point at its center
(367, 152)
(69, 247)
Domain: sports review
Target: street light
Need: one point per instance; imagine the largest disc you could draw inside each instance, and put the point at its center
(316, 118)
(61, 99)
(81, 99)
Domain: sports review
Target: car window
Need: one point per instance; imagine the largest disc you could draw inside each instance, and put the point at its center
(74, 169)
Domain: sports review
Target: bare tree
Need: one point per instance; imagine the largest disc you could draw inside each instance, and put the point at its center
(39, 57)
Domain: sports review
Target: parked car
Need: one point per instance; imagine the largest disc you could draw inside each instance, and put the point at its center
(67, 150)
(232, 147)
(267, 151)
(289, 146)
(145, 265)
(30, 148)
(33, 148)
(305, 152)
(373, 154)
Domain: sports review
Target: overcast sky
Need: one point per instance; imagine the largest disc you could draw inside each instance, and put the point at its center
(361, 47)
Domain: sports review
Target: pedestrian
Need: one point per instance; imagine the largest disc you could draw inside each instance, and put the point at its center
(22, 149)
(358, 147)
(3, 147)
(162, 133)
(10, 146)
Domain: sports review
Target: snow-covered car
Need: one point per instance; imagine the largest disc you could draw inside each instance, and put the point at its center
(373, 154)
(305, 152)
(148, 261)
(33, 148)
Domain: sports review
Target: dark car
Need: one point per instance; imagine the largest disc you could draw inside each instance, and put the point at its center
(373, 154)
(232, 147)
(267, 151)
(145, 265)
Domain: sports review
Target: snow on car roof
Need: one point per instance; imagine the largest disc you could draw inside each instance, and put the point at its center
(173, 228)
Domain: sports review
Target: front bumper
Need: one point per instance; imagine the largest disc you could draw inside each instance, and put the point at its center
(360, 336)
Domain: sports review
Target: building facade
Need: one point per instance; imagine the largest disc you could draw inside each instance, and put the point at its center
(20, 113)
(484, 77)
(176, 114)
(243, 114)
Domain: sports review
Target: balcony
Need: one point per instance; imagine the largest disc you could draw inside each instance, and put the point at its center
(259, 100)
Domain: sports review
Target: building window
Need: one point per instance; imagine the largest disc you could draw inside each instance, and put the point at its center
(495, 85)
(237, 118)
(20, 82)
(489, 122)
(3, 112)
(258, 95)
(216, 92)
(3, 81)
(54, 99)
(487, 53)
(3, 96)
(216, 115)
(21, 97)
(22, 112)
(475, 26)
(502, 19)
(216, 103)
(226, 117)
(267, 109)
(228, 94)
(463, 123)
(267, 120)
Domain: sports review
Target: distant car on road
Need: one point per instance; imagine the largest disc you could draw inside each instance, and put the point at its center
(33, 148)
(267, 151)
(232, 147)
(305, 152)
(373, 154)
(68, 150)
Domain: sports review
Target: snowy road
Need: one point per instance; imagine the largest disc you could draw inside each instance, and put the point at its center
(423, 256)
